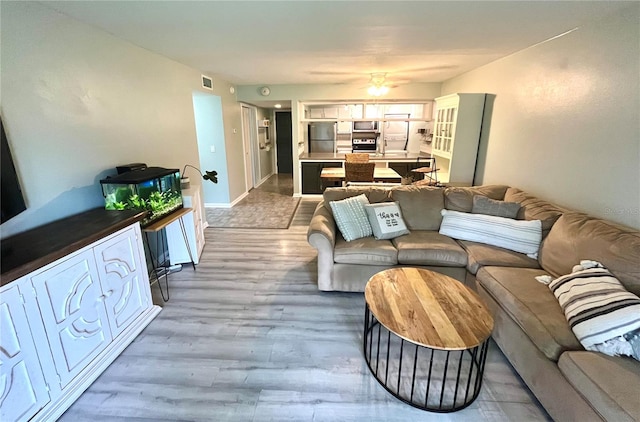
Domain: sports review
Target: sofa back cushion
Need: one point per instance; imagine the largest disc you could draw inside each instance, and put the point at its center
(374, 194)
(576, 236)
(533, 208)
(420, 205)
(461, 198)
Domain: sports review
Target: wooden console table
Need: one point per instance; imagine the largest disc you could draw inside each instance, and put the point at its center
(156, 228)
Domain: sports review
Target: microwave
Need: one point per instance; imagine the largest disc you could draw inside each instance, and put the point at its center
(365, 126)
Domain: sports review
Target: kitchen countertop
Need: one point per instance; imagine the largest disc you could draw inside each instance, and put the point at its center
(391, 156)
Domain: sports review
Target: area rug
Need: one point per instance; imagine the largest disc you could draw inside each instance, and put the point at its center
(266, 207)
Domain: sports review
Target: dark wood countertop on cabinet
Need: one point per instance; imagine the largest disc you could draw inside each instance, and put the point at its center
(26, 252)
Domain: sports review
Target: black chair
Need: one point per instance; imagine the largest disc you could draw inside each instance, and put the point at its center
(429, 172)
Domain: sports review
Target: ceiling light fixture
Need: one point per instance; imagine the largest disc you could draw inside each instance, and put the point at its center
(278, 106)
(378, 85)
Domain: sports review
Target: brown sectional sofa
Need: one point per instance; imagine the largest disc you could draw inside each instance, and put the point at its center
(530, 327)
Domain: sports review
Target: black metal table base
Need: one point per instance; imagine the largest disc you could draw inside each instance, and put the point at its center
(429, 379)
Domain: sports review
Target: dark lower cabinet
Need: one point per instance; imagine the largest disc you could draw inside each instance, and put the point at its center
(311, 182)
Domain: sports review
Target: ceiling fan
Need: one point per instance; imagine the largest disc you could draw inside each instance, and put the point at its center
(378, 85)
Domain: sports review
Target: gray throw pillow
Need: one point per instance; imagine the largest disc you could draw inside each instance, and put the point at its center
(386, 220)
(488, 206)
(351, 217)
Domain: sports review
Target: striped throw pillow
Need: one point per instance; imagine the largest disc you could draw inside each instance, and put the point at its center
(351, 218)
(596, 305)
(522, 236)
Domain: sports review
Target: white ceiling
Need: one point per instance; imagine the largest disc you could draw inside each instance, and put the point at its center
(303, 42)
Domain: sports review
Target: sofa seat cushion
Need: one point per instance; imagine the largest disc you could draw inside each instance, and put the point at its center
(610, 384)
(532, 306)
(482, 255)
(366, 250)
(422, 247)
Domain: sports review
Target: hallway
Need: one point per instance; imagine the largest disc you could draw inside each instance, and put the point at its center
(269, 206)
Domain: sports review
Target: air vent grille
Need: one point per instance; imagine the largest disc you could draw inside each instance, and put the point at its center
(207, 83)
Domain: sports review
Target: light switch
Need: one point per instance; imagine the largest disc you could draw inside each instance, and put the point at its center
(235, 130)
(213, 148)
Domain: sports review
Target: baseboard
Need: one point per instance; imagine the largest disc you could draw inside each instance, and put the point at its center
(225, 205)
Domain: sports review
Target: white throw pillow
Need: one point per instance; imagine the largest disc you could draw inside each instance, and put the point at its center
(522, 236)
(600, 311)
(351, 217)
(386, 220)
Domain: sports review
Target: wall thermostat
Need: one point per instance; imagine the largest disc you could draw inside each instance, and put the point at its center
(265, 91)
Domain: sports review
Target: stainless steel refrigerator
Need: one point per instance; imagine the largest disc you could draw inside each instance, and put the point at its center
(322, 136)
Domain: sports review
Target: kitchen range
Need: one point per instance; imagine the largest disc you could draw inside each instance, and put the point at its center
(365, 136)
(367, 144)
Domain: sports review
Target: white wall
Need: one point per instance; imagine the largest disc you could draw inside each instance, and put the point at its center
(565, 120)
(77, 101)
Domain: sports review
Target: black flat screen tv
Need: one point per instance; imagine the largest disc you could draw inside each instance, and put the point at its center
(12, 201)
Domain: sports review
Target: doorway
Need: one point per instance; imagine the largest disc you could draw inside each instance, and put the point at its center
(284, 140)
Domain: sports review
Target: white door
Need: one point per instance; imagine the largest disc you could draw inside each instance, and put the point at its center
(250, 145)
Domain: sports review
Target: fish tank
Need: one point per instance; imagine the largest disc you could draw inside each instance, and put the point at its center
(153, 189)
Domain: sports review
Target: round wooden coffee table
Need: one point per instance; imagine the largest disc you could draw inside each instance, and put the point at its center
(426, 338)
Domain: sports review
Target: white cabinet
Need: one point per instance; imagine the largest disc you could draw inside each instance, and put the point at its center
(194, 224)
(344, 111)
(456, 135)
(64, 323)
(323, 112)
(120, 268)
(70, 300)
(23, 391)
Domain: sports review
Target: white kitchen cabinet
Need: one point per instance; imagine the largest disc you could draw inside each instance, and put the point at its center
(330, 112)
(373, 111)
(194, 224)
(65, 322)
(316, 112)
(324, 112)
(344, 111)
(23, 391)
(456, 135)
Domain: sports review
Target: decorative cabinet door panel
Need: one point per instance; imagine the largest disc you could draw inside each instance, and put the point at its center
(119, 266)
(22, 387)
(71, 303)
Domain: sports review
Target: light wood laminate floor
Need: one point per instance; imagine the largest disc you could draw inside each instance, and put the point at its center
(248, 337)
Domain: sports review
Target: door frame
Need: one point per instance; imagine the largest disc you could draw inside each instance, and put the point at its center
(249, 145)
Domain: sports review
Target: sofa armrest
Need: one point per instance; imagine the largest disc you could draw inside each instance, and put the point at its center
(322, 228)
(322, 236)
